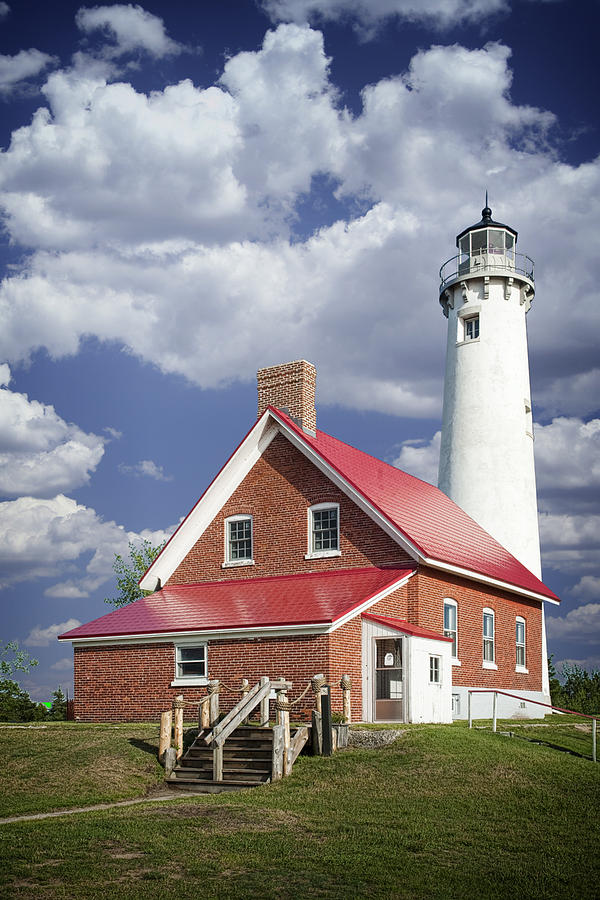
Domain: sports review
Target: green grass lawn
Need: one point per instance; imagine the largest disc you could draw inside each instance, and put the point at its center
(66, 764)
(444, 812)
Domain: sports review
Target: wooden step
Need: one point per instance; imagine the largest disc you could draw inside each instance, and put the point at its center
(189, 774)
(208, 786)
(262, 765)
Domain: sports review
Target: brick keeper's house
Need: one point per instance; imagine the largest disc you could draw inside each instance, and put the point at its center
(306, 556)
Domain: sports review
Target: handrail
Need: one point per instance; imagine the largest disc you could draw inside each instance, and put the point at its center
(479, 261)
(571, 712)
(242, 710)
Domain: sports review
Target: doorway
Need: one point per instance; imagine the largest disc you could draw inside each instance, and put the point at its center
(388, 680)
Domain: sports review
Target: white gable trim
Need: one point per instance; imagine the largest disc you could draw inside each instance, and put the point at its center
(367, 604)
(211, 502)
(233, 473)
(485, 579)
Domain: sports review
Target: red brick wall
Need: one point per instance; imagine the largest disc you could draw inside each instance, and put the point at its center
(277, 492)
(132, 683)
(471, 597)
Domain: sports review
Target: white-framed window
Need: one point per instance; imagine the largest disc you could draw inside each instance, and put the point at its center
(520, 652)
(451, 623)
(239, 547)
(323, 530)
(489, 651)
(471, 325)
(190, 664)
(435, 671)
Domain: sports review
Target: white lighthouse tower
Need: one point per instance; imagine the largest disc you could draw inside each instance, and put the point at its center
(486, 457)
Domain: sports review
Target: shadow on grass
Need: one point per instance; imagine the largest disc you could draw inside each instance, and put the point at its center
(143, 745)
(542, 743)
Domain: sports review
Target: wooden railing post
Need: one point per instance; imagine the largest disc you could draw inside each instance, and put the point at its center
(278, 753)
(469, 706)
(594, 740)
(494, 712)
(218, 762)
(178, 706)
(283, 719)
(327, 730)
(204, 723)
(264, 706)
(317, 733)
(346, 685)
(317, 682)
(166, 724)
(244, 691)
(213, 696)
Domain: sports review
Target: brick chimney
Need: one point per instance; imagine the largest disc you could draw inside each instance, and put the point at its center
(291, 388)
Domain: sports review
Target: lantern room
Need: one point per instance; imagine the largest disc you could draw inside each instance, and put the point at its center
(487, 248)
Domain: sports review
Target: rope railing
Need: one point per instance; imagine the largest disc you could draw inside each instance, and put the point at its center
(559, 709)
(171, 723)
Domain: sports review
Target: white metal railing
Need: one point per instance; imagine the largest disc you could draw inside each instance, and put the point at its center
(559, 709)
(485, 260)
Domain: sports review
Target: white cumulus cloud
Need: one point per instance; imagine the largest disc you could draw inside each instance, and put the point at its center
(130, 28)
(368, 14)
(42, 637)
(145, 468)
(23, 65)
(421, 458)
(49, 537)
(65, 664)
(41, 454)
(581, 624)
(165, 222)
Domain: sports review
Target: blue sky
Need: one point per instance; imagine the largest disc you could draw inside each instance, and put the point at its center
(192, 191)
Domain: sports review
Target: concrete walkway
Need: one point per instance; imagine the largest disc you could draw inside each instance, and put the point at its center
(99, 806)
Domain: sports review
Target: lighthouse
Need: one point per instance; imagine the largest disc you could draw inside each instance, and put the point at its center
(486, 455)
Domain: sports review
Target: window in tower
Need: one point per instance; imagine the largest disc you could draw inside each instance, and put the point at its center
(472, 328)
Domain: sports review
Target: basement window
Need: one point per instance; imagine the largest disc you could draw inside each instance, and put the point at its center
(323, 530)
(190, 664)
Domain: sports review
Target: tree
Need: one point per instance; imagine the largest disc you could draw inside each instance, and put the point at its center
(556, 689)
(129, 571)
(15, 704)
(58, 710)
(579, 690)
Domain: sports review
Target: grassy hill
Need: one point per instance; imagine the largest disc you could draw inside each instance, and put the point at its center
(444, 812)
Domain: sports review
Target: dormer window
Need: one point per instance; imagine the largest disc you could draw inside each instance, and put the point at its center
(323, 530)
(238, 541)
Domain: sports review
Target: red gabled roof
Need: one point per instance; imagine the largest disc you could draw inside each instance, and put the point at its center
(406, 627)
(433, 523)
(317, 598)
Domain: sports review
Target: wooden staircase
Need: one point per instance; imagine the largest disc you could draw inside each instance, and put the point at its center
(228, 755)
(247, 762)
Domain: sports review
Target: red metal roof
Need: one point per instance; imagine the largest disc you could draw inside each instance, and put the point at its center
(433, 523)
(406, 627)
(285, 600)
